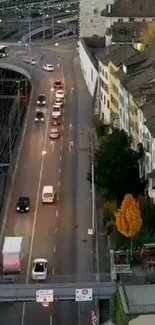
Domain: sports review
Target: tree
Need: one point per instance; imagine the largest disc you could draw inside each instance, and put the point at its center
(148, 33)
(128, 217)
(116, 166)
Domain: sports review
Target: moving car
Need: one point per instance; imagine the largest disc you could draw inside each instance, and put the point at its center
(26, 59)
(23, 204)
(39, 117)
(58, 84)
(60, 94)
(55, 120)
(33, 61)
(54, 134)
(41, 101)
(48, 194)
(59, 101)
(56, 111)
(39, 269)
(48, 67)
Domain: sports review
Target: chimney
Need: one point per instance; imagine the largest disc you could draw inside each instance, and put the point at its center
(108, 9)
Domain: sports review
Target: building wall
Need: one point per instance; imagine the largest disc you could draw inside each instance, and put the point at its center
(104, 92)
(89, 71)
(90, 20)
(114, 94)
(124, 108)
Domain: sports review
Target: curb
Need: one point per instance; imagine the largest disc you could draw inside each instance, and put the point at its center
(16, 167)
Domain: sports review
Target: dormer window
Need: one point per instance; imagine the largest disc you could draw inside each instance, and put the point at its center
(132, 19)
(124, 68)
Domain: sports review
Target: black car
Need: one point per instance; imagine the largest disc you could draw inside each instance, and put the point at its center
(41, 101)
(39, 117)
(23, 204)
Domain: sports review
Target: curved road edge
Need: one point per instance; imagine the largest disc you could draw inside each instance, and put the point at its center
(6, 207)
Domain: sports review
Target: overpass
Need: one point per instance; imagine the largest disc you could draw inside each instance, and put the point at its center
(29, 3)
(67, 291)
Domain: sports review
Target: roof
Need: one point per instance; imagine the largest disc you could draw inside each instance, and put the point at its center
(126, 31)
(150, 124)
(135, 301)
(143, 320)
(116, 53)
(148, 109)
(47, 188)
(12, 245)
(131, 8)
(92, 45)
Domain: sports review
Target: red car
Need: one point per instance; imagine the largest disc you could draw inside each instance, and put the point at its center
(58, 84)
(55, 121)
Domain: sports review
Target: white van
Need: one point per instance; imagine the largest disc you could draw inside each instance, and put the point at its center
(48, 194)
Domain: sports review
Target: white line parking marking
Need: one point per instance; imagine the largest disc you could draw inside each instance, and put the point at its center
(59, 170)
(59, 183)
(62, 138)
(60, 158)
(54, 249)
(57, 213)
(51, 318)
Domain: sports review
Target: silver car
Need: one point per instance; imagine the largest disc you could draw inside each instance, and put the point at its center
(54, 134)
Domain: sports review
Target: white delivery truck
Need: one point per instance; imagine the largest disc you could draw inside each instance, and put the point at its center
(12, 256)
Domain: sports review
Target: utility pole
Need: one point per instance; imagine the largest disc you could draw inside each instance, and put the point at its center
(43, 24)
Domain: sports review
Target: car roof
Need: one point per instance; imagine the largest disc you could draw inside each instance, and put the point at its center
(41, 95)
(23, 198)
(48, 189)
(54, 130)
(56, 106)
(58, 81)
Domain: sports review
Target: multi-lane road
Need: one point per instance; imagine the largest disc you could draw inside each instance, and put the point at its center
(56, 232)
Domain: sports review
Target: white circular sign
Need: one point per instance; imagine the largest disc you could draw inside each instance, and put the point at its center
(84, 292)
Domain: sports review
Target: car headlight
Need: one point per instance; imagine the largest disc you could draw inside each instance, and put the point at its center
(18, 208)
(36, 119)
(44, 102)
(42, 119)
(27, 208)
(38, 102)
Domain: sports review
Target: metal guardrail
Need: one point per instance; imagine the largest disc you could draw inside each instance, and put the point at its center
(27, 292)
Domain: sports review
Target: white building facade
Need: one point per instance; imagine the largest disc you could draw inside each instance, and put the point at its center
(124, 109)
(90, 72)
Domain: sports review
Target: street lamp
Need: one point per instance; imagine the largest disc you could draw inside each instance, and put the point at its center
(44, 152)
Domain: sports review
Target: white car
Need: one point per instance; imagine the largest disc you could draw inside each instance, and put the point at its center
(48, 194)
(33, 61)
(54, 134)
(26, 59)
(60, 94)
(59, 101)
(39, 269)
(48, 67)
(56, 111)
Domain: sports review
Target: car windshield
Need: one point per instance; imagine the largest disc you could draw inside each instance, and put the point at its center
(39, 267)
(54, 131)
(56, 109)
(47, 195)
(39, 115)
(41, 97)
(58, 83)
(58, 100)
(23, 200)
(59, 92)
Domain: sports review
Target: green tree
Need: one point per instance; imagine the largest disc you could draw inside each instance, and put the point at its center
(116, 166)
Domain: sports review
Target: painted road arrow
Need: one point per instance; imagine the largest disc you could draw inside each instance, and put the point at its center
(70, 145)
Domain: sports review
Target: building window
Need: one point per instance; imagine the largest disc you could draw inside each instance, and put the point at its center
(120, 20)
(106, 75)
(104, 100)
(91, 74)
(115, 89)
(106, 88)
(136, 127)
(100, 69)
(103, 72)
(101, 96)
(121, 98)
(153, 184)
(114, 102)
(107, 103)
(131, 19)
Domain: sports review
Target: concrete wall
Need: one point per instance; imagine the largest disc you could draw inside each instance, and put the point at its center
(88, 67)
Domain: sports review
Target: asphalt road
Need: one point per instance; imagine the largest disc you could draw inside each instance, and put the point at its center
(59, 232)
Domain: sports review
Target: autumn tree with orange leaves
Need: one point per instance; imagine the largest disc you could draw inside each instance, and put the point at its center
(128, 217)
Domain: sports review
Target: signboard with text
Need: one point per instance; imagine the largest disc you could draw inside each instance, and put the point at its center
(44, 296)
(84, 294)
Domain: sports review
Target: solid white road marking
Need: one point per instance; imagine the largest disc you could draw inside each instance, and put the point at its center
(60, 158)
(62, 138)
(58, 197)
(61, 148)
(55, 231)
(57, 213)
(51, 318)
(59, 183)
(52, 144)
(59, 170)
(54, 249)
(63, 118)
(62, 127)
(52, 274)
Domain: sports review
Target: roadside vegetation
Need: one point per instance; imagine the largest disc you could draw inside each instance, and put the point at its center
(127, 213)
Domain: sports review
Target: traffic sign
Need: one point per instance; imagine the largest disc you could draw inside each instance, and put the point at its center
(83, 294)
(44, 296)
